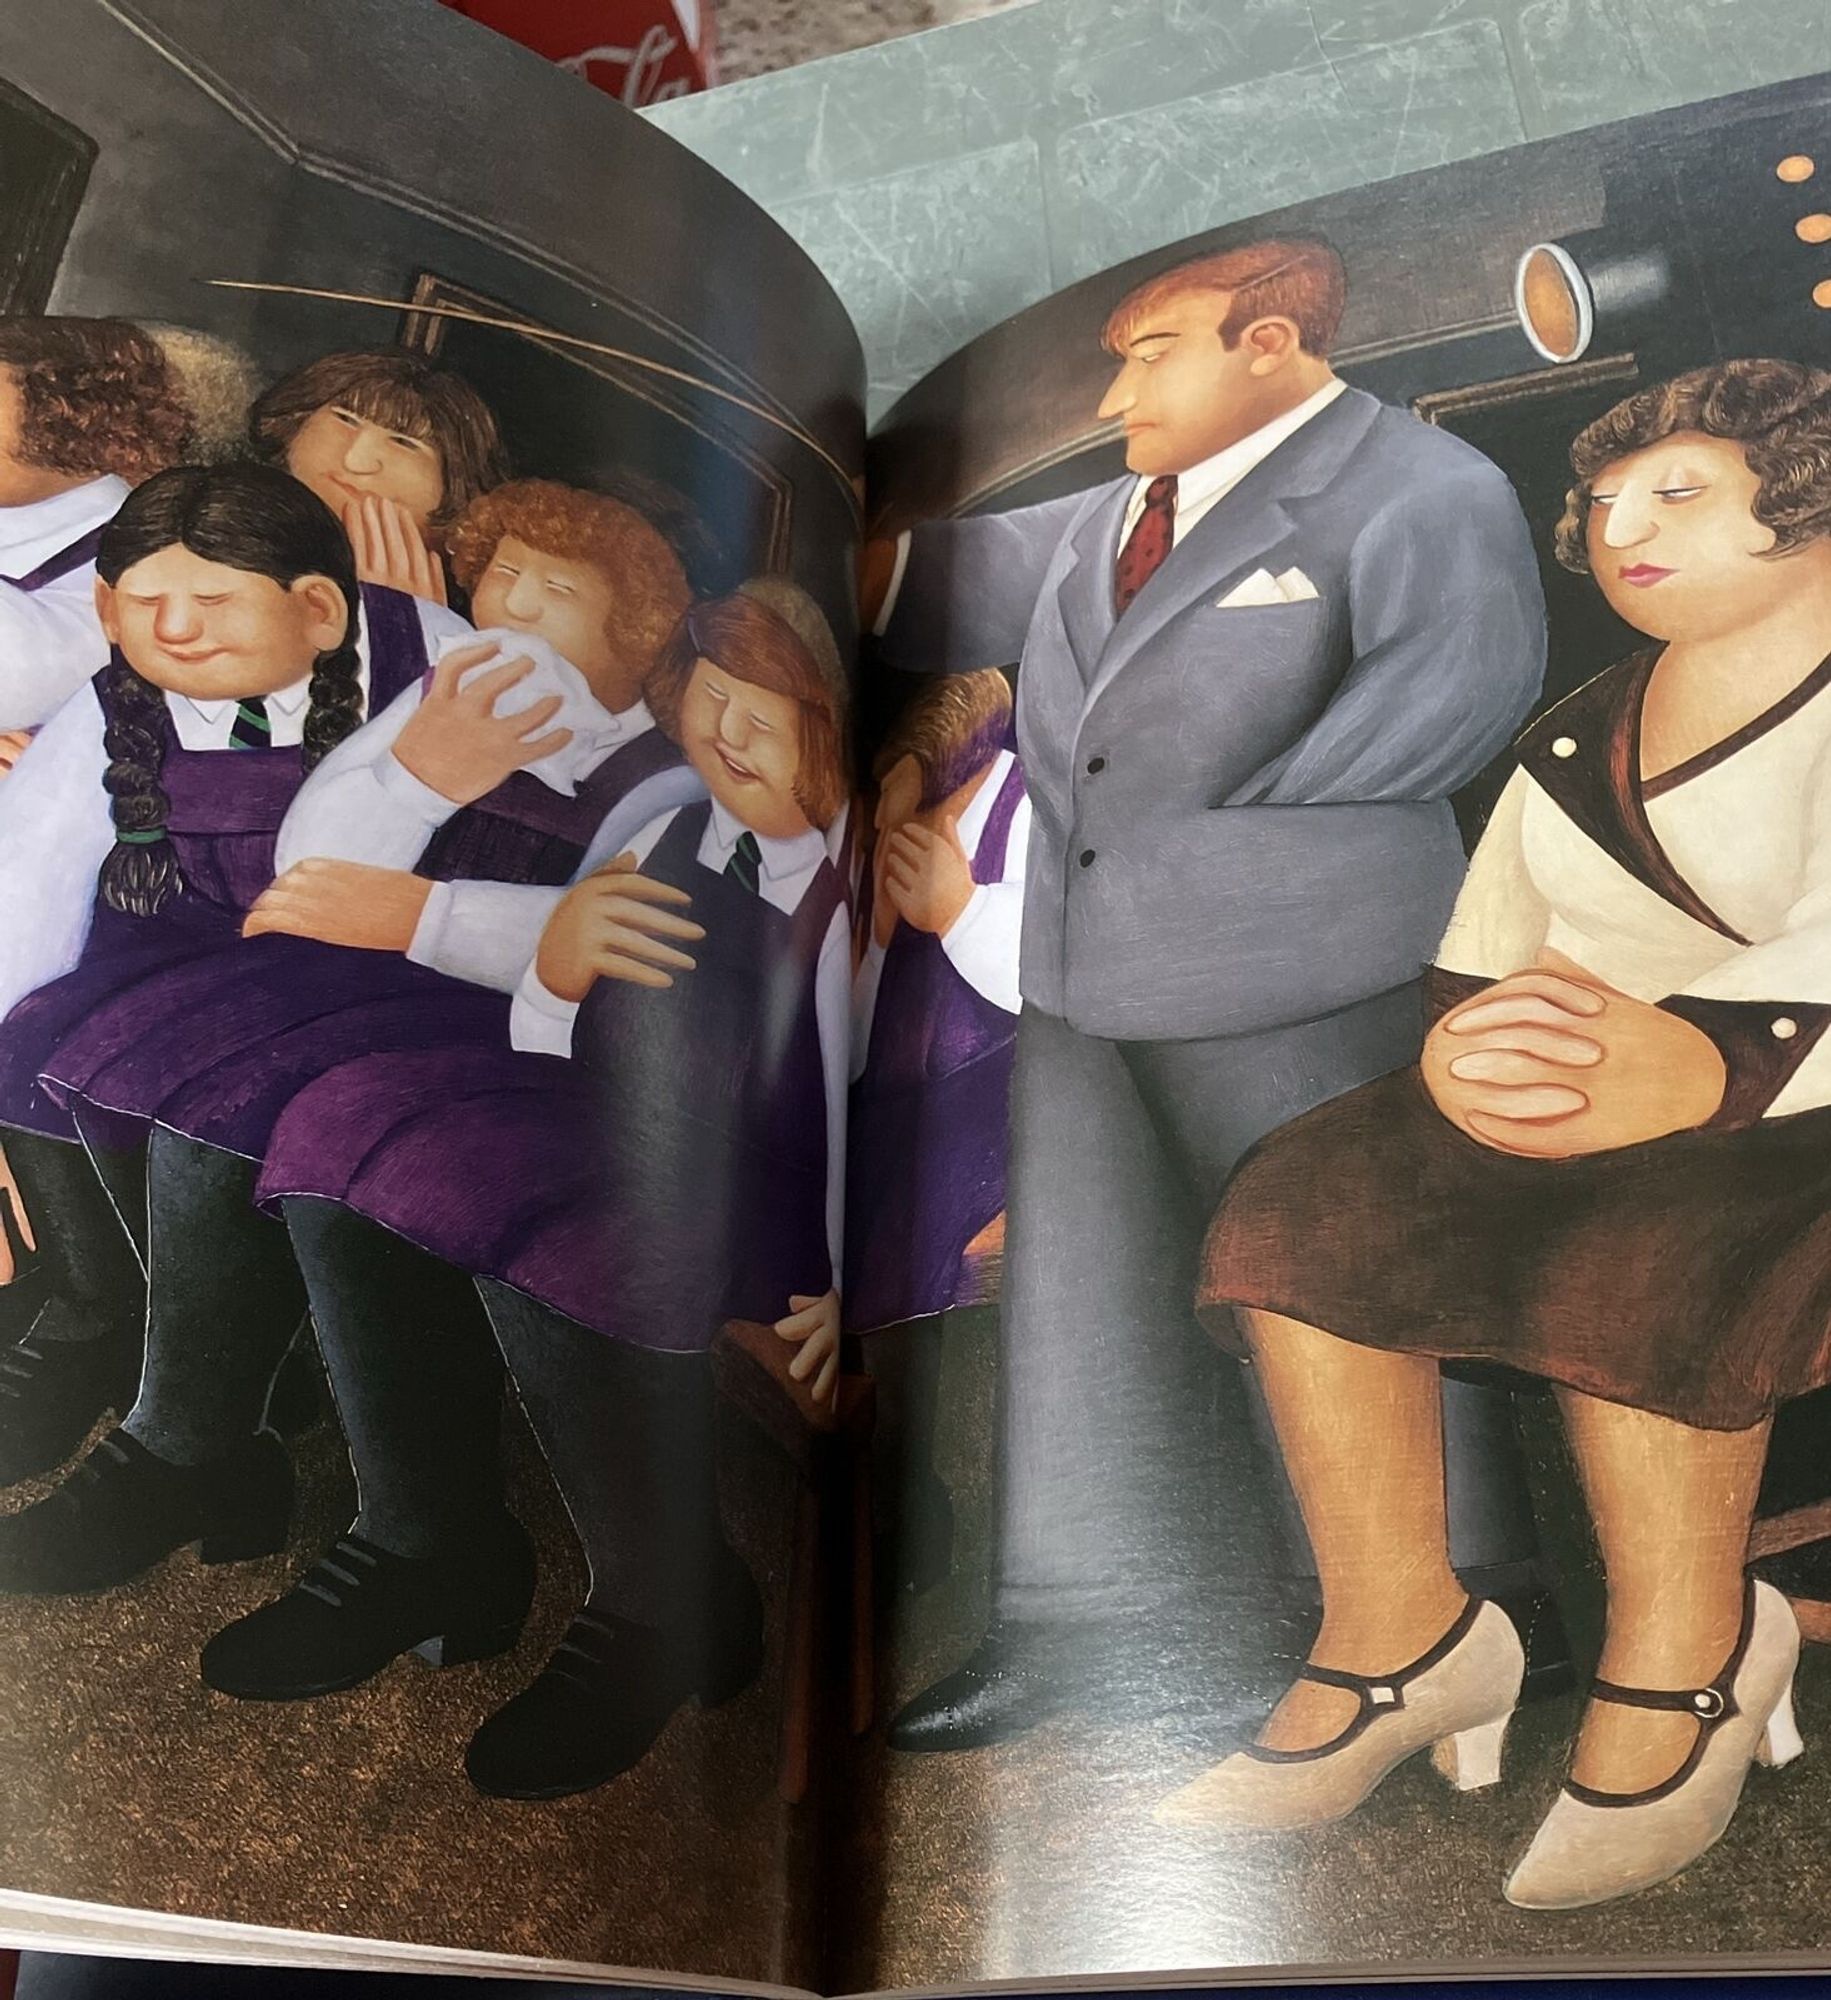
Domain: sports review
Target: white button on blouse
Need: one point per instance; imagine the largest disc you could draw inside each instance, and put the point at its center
(1563, 746)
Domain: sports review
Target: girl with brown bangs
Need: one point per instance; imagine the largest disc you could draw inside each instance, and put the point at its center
(395, 446)
(663, 1151)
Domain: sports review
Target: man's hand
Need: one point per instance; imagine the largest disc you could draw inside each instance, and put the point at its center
(614, 925)
(342, 902)
(14, 743)
(814, 1323)
(454, 743)
(389, 548)
(1552, 1063)
(928, 876)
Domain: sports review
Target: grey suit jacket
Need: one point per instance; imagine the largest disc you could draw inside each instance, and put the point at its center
(1241, 815)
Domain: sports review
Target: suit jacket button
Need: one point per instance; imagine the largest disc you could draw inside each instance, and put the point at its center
(1087, 857)
(1563, 746)
(1784, 1028)
(1095, 765)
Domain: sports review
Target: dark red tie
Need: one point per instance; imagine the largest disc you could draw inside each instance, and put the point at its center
(1149, 542)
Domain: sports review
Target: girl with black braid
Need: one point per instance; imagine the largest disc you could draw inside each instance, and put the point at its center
(228, 595)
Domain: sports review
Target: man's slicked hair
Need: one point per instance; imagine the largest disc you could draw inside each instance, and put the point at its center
(1298, 278)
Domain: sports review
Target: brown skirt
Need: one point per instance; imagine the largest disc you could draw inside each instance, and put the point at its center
(1690, 1276)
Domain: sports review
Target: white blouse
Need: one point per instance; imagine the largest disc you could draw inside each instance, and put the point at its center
(1708, 885)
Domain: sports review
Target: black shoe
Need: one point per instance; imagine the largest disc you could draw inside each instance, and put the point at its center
(1015, 1678)
(122, 1510)
(53, 1390)
(360, 1606)
(608, 1692)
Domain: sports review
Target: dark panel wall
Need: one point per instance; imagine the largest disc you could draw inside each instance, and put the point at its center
(354, 146)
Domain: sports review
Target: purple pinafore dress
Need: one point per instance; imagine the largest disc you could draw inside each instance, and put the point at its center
(240, 1033)
(926, 1132)
(225, 812)
(671, 1175)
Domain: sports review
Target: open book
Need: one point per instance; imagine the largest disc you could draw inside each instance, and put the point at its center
(838, 1220)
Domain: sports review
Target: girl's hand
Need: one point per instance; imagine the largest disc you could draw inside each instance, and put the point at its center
(389, 548)
(456, 743)
(814, 1323)
(615, 925)
(342, 902)
(928, 875)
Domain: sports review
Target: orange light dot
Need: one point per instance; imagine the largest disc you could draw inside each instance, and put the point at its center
(1821, 294)
(1813, 229)
(1796, 167)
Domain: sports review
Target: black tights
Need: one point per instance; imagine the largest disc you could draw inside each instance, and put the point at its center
(628, 1434)
(96, 1285)
(416, 1377)
(225, 1302)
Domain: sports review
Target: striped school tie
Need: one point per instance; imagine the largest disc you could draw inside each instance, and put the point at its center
(250, 730)
(746, 864)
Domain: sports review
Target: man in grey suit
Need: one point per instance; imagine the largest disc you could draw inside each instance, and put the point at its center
(1252, 672)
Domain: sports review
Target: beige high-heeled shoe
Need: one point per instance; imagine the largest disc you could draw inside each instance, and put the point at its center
(1593, 1846)
(1455, 1700)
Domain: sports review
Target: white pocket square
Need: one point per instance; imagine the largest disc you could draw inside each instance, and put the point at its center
(1261, 587)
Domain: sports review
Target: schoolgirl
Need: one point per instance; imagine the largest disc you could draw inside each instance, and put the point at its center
(215, 1047)
(667, 1153)
(228, 596)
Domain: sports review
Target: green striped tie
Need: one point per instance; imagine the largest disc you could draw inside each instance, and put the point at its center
(250, 730)
(746, 863)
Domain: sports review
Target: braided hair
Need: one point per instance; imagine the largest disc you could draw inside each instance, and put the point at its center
(247, 517)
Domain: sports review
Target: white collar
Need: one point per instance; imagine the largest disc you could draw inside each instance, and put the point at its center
(1228, 467)
(33, 534)
(288, 700)
(979, 806)
(780, 860)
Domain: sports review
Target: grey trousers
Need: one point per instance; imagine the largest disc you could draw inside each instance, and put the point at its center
(1133, 1467)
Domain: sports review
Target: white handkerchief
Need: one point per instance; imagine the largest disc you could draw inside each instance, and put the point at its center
(591, 723)
(1259, 588)
(1294, 587)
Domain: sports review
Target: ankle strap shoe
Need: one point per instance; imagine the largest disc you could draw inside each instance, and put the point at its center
(1455, 1700)
(1594, 1846)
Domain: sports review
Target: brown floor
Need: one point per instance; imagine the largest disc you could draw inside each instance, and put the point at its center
(1038, 1859)
(124, 1779)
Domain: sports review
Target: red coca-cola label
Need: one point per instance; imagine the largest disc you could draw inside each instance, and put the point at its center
(638, 51)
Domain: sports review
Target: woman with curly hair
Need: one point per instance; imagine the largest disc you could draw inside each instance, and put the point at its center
(1610, 1170)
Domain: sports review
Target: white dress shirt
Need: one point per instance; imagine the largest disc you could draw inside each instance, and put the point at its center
(1197, 490)
(982, 942)
(363, 804)
(56, 826)
(542, 1023)
(50, 639)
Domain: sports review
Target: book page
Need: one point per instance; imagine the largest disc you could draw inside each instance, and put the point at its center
(428, 502)
(1339, 1146)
